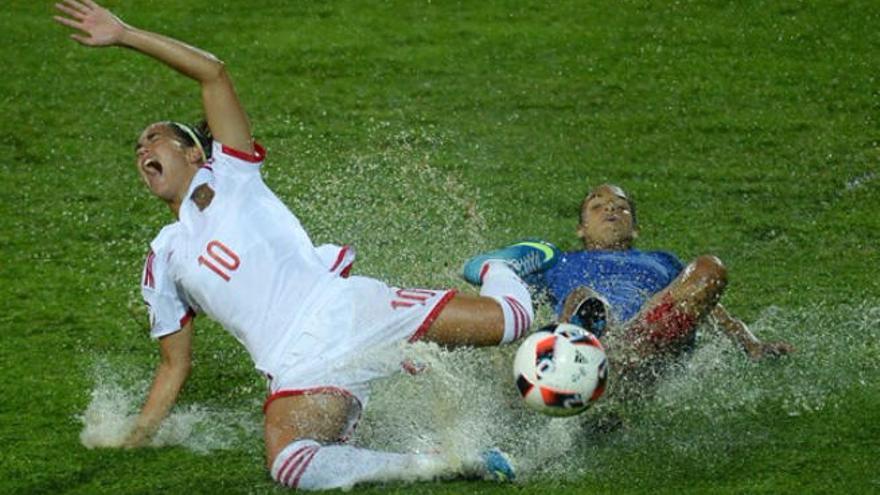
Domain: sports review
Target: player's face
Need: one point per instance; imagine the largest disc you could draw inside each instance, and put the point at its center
(607, 221)
(164, 164)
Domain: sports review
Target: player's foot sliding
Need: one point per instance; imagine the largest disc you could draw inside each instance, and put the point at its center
(497, 465)
(525, 258)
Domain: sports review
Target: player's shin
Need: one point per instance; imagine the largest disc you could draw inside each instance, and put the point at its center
(308, 465)
(501, 283)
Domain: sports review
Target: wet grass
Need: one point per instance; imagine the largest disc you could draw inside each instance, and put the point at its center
(423, 132)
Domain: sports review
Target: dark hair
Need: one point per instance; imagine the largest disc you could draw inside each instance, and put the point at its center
(185, 133)
(630, 201)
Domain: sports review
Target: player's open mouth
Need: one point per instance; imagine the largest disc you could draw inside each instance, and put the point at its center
(152, 167)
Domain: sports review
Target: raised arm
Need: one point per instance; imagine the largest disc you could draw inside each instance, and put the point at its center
(223, 111)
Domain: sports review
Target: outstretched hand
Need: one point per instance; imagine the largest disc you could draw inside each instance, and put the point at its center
(136, 438)
(765, 350)
(99, 24)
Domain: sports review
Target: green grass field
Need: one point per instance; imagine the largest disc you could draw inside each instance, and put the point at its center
(423, 132)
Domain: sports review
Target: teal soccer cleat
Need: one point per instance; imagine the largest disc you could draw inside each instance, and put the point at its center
(525, 257)
(497, 465)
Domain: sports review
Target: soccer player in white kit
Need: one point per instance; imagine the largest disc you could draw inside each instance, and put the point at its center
(236, 254)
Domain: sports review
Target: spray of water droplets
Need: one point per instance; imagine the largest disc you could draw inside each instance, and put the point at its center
(411, 222)
(414, 225)
(461, 403)
(467, 400)
(114, 404)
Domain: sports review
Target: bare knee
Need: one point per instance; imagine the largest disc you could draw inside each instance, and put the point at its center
(709, 271)
(701, 283)
(323, 417)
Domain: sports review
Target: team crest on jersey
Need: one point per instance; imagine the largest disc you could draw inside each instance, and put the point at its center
(202, 196)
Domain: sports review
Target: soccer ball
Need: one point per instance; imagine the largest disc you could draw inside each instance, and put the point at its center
(560, 370)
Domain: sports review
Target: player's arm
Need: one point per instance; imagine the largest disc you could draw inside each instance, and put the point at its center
(754, 347)
(223, 111)
(173, 370)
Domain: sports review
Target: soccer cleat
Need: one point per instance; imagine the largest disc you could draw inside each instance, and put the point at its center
(497, 465)
(591, 315)
(525, 257)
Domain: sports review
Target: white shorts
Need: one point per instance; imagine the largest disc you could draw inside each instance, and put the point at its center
(354, 339)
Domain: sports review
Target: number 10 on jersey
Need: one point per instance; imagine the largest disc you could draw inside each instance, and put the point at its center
(220, 259)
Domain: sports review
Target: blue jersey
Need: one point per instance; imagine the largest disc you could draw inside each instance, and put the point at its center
(626, 279)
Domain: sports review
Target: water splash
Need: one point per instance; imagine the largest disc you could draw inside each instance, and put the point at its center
(463, 402)
(411, 222)
(414, 224)
(466, 400)
(115, 402)
(110, 414)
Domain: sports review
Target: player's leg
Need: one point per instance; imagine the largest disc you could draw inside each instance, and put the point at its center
(667, 323)
(503, 311)
(303, 450)
(468, 320)
(322, 417)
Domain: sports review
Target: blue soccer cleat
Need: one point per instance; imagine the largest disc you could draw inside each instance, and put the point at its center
(525, 257)
(497, 465)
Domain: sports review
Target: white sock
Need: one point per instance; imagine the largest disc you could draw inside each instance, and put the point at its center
(308, 465)
(501, 283)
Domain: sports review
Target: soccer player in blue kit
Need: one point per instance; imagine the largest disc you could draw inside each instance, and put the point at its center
(644, 305)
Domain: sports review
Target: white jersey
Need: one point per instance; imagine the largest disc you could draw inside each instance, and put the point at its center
(238, 255)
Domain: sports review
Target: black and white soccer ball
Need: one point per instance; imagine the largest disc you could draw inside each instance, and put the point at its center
(560, 370)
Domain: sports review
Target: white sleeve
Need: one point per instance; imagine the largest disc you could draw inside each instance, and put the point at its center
(337, 259)
(168, 311)
(225, 160)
